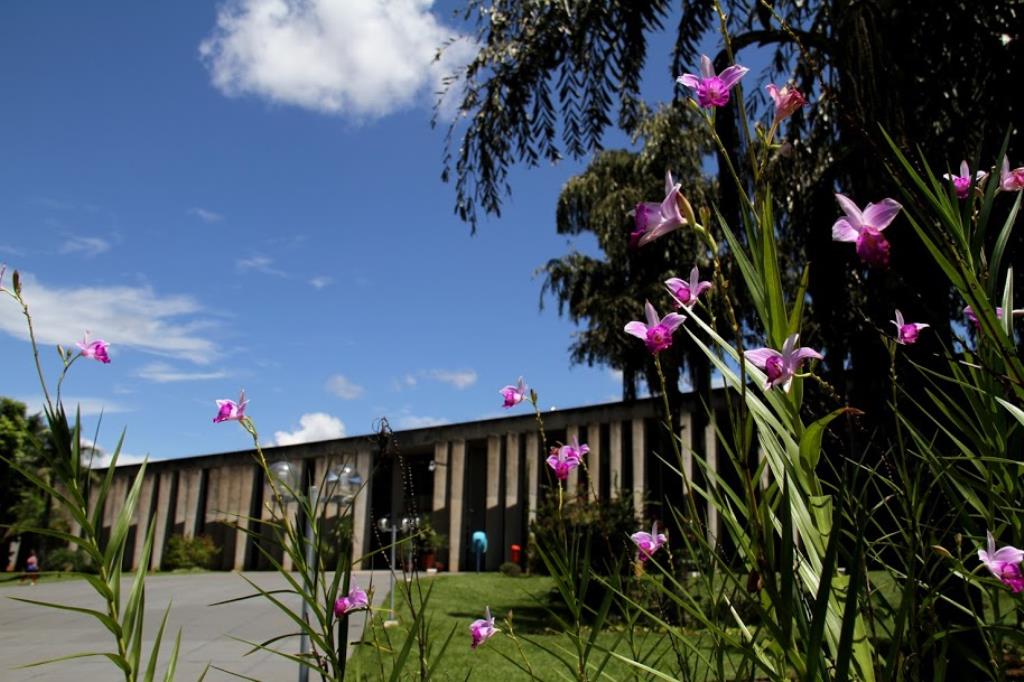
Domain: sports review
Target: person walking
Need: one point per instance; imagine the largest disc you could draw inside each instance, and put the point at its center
(32, 567)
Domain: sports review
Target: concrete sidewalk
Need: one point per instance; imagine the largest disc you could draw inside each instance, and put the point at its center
(31, 633)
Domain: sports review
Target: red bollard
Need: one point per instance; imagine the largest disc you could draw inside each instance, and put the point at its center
(516, 550)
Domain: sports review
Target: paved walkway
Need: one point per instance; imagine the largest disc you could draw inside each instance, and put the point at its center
(32, 633)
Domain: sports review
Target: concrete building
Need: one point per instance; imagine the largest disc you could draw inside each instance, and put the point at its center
(486, 475)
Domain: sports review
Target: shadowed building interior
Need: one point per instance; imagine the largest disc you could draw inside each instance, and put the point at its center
(488, 475)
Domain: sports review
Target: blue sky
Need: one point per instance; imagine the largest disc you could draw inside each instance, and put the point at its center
(237, 201)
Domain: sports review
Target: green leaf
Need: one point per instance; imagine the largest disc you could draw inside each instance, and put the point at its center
(107, 621)
(810, 442)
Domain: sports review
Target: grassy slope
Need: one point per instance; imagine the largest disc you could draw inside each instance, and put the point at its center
(457, 601)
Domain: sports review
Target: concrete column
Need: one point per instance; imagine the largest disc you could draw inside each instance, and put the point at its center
(494, 520)
(572, 485)
(458, 481)
(687, 438)
(513, 510)
(593, 460)
(214, 497)
(242, 506)
(188, 500)
(163, 508)
(360, 518)
(440, 499)
(533, 460)
(116, 495)
(142, 509)
(615, 459)
(639, 468)
(711, 448)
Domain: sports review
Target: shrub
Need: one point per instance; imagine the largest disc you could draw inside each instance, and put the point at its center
(609, 523)
(510, 569)
(66, 559)
(197, 552)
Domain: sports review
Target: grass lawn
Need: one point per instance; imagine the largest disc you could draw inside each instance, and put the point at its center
(458, 600)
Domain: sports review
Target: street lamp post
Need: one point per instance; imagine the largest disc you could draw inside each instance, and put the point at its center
(341, 485)
(407, 525)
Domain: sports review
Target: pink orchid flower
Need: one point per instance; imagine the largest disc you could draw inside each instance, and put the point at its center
(780, 368)
(483, 629)
(653, 220)
(575, 450)
(229, 409)
(972, 317)
(514, 395)
(657, 334)
(1003, 563)
(648, 543)
(355, 601)
(865, 227)
(563, 460)
(906, 332)
(687, 293)
(1011, 180)
(95, 349)
(962, 182)
(713, 90)
(787, 100)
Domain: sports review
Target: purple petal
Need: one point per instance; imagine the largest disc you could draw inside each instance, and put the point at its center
(801, 354)
(637, 329)
(881, 214)
(700, 289)
(689, 80)
(670, 206)
(1008, 554)
(670, 185)
(899, 318)
(706, 68)
(732, 75)
(843, 231)
(760, 356)
(673, 320)
(651, 313)
(965, 170)
(674, 283)
(851, 210)
(773, 91)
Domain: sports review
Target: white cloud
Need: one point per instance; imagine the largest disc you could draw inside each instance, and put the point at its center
(88, 406)
(126, 317)
(367, 58)
(342, 387)
(411, 421)
(313, 427)
(320, 282)
(206, 215)
(96, 457)
(460, 379)
(259, 264)
(87, 246)
(163, 373)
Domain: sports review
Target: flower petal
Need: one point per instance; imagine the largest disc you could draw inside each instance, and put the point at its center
(965, 170)
(843, 231)
(707, 70)
(689, 80)
(651, 313)
(760, 356)
(732, 75)
(673, 320)
(856, 218)
(637, 329)
(881, 214)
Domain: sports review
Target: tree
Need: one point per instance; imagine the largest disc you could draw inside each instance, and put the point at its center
(23, 440)
(551, 77)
